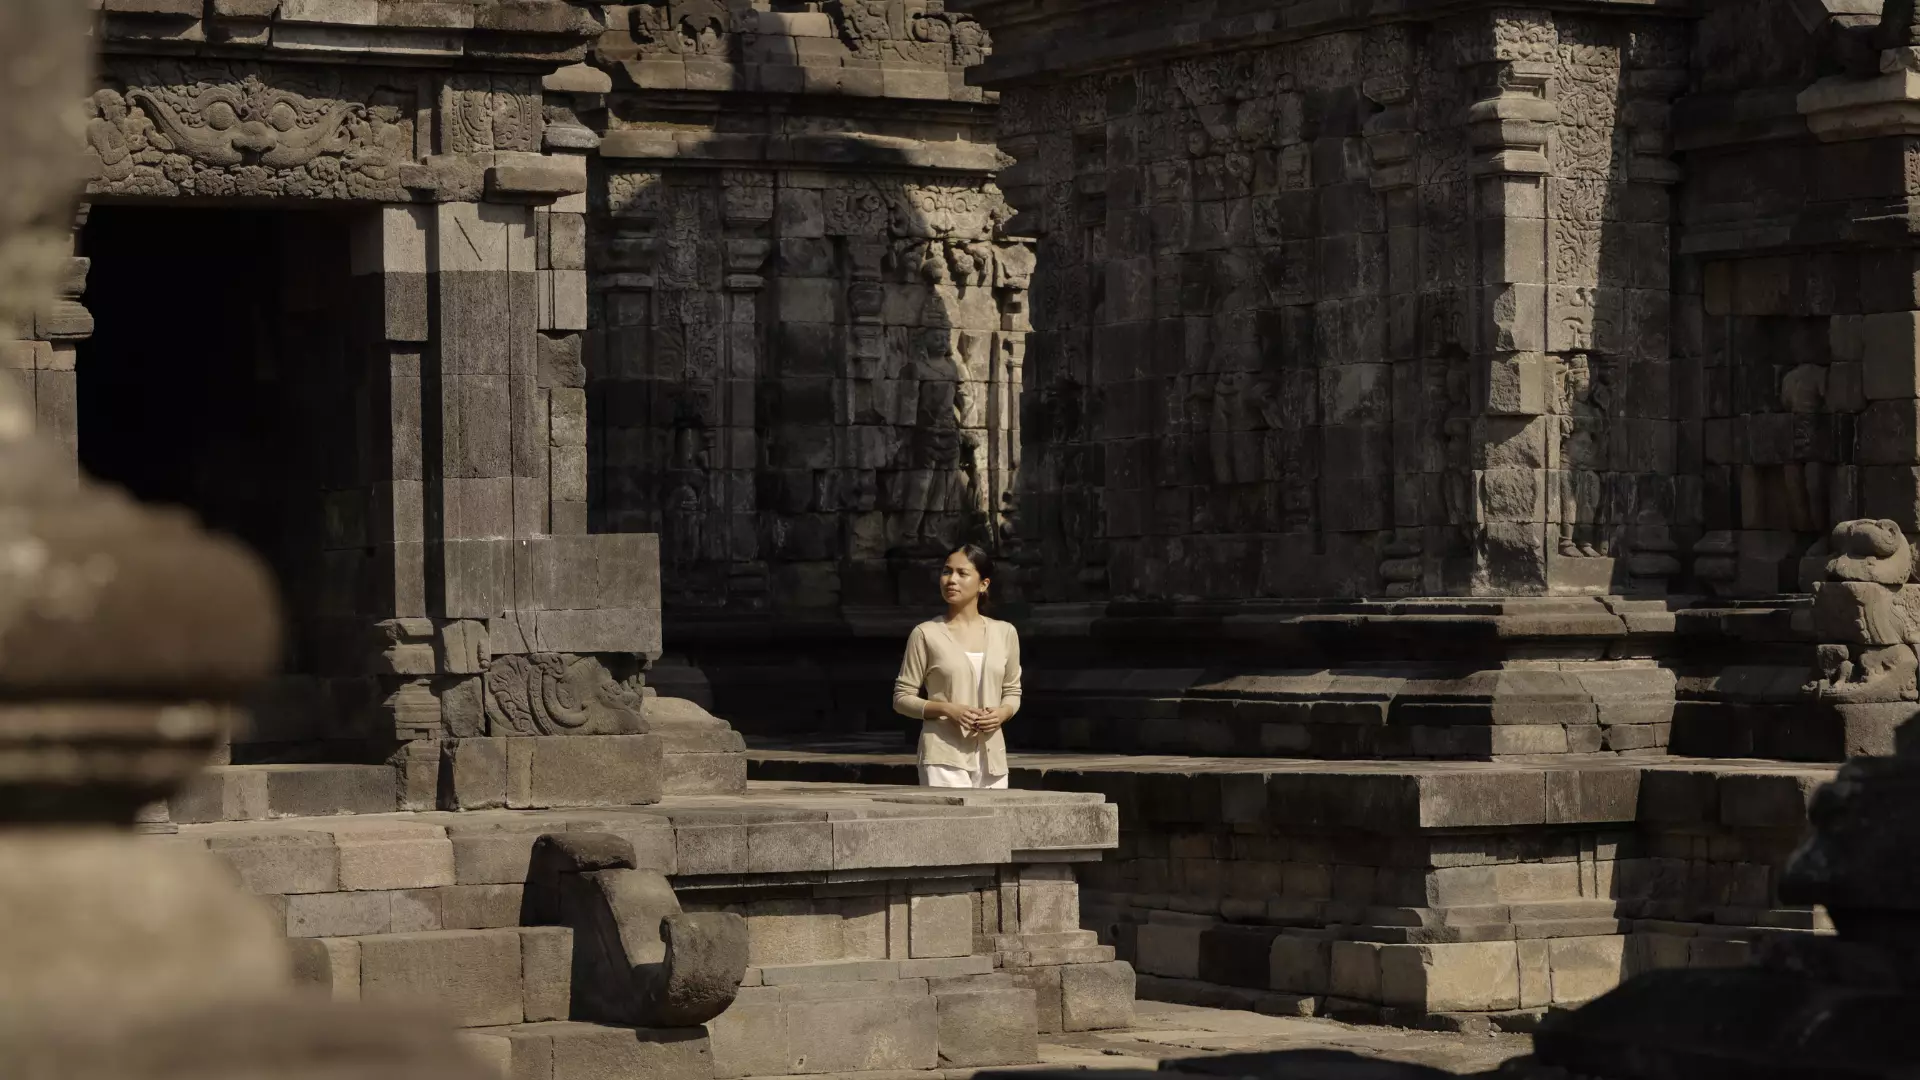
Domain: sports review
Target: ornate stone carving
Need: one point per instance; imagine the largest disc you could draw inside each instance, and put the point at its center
(1867, 617)
(558, 694)
(234, 130)
(640, 959)
(684, 27)
(896, 31)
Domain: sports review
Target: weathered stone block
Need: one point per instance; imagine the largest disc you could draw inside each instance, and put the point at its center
(993, 1027)
(339, 914)
(1890, 355)
(791, 932)
(1356, 970)
(864, 1035)
(330, 966)
(1889, 433)
(1237, 955)
(751, 1039)
(394, 856)
(1585, 967)
(474, 774)
(940, 925)
(546, 971)
(479, 907)
(1480, 976)
(583, 771)
(1045, 984)
(472, 975)
(283, 863)
(1536, 973)
(1300, 963)
(897, 842)
(589, 1052)
(1096, 997)
(1169, 949)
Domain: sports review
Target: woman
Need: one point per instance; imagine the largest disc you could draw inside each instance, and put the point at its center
(961, 679)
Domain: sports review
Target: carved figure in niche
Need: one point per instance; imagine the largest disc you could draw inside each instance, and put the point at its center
(1285, 455)
(942, 475)
(1861, 614)
(558, 694)
(1452, 381)
(684, 27)
(1584, 393)
(686, 524)
(892, 29)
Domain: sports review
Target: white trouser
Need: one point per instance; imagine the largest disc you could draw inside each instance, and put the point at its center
(947, 776)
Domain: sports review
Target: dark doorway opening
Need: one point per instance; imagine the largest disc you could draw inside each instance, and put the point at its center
(217, 377)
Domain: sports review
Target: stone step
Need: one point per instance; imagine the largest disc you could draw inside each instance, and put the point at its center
(472, 978)
(261, 792)
(565, 1050)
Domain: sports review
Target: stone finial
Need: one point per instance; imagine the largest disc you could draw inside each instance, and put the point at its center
(126, 634)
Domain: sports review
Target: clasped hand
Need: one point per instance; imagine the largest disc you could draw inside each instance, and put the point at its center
(974, 721)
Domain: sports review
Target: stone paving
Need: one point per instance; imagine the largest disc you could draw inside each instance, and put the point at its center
(1163, 1031)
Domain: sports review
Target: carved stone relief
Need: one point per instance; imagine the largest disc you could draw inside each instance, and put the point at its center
(236, 129)
(898, 32)
(559, 694)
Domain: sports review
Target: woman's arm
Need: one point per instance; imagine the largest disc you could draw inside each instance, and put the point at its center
(1010, 683)
(989, 720)
(913, 676)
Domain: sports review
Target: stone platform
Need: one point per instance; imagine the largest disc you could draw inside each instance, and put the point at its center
(1454, 893)
(887, 931)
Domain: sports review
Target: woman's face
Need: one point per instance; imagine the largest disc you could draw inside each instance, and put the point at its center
(960, 583)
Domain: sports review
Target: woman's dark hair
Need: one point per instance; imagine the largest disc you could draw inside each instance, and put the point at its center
(982, 561)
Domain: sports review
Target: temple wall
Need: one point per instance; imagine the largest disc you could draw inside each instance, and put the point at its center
(807, 321)
(1376, 312)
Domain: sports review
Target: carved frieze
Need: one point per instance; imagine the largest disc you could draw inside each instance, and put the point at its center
(562, 694)
(895, 31)
(220, 130)
(683, 27)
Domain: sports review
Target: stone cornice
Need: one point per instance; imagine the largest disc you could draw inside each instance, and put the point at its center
(1028, 43)
(489, 34)
(1843, 108)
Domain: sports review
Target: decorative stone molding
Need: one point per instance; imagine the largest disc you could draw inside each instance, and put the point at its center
(239, 130)
(1841, 108)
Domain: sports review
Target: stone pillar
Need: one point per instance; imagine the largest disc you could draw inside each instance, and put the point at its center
(390, 270)
(746, 211)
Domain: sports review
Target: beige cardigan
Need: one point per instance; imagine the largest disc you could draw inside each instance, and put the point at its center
(937, 666)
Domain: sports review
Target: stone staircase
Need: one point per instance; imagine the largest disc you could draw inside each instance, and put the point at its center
(870, 951)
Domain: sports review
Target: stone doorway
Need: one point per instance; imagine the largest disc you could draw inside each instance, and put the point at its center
(222, 376)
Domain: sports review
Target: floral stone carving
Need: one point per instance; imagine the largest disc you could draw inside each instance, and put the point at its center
(556, 694)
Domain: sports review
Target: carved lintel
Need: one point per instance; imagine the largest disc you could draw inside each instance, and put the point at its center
(234, 130)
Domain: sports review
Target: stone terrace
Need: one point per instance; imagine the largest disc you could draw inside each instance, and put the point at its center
(1430, 892)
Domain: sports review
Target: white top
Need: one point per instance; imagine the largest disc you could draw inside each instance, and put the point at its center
(979, 675)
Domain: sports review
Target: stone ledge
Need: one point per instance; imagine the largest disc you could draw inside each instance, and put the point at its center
(389, 31)
(1393, 797)
(800, 834)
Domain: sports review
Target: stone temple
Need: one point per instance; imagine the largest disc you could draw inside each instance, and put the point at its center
(1455, 468)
